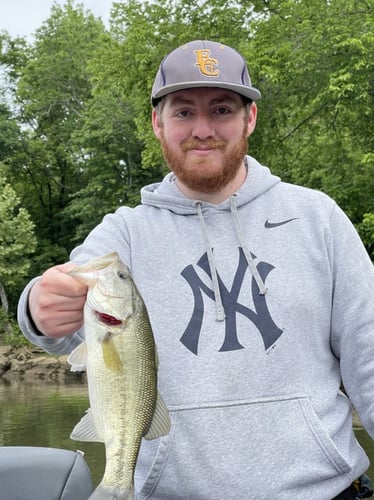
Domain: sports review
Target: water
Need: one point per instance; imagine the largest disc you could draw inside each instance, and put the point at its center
(43, 414)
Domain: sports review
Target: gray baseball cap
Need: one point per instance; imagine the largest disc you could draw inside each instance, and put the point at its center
(202, 63)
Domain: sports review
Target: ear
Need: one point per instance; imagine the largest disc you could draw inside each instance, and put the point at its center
(156, 123)
(251, 119)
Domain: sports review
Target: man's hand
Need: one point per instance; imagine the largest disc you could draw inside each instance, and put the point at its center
(56, 302)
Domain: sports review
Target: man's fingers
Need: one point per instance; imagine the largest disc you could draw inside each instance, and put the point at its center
(56, 302)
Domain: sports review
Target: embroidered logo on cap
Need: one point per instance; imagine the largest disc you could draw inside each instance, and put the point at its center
(207, 65)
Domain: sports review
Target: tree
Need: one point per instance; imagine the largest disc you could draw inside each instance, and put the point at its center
(86, 143)
(52, 93)
(9, 134)
(17, 243)
(313, 62)
(111, 174)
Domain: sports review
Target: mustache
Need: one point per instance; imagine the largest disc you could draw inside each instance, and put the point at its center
(196, 144)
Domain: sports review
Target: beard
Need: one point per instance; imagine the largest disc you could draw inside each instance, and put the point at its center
(205, 175)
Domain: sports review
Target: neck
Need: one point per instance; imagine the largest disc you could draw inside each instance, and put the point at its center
(216, 197)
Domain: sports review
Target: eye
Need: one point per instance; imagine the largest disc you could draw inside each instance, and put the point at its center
(184, 113)
(221, 111)
(122, 275)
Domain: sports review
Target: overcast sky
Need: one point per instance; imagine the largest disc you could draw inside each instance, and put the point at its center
(23, 17)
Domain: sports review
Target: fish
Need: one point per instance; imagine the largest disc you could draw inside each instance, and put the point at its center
(120, 358)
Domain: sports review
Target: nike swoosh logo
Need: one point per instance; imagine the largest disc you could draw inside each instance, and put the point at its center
(270, 225)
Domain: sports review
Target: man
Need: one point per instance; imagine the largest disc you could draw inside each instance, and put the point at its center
(259, 294)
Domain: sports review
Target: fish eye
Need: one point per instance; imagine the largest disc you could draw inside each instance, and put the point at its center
(122, 275)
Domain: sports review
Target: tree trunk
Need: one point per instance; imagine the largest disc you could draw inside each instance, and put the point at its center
(5, 307)
(3, 299)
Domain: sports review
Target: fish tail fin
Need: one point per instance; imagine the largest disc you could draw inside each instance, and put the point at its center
(109, 493)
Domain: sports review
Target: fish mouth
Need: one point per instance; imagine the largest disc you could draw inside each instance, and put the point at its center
(108, 319)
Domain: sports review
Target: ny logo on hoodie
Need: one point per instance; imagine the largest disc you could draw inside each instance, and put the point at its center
(259, 316)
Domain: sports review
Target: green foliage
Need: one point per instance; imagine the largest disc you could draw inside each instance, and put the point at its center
(366, 230)
(110, 172)
(17, 240)
(13, 57)
(53, 91)
(314, 64)
(9, 133)
(77, 142)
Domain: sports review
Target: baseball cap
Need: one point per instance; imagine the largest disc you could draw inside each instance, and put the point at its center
(203, 63)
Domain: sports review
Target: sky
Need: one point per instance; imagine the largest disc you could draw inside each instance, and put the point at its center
(23, 17)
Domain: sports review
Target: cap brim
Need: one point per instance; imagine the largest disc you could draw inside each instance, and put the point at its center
(249, 92)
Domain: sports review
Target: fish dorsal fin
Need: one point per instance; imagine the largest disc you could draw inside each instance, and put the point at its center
(78, 358)
(160, 425)
(85, 430)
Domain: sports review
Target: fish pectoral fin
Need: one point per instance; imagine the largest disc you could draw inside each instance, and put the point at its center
(85, 430)
(78, 358)
(111, 357)
(160, 425)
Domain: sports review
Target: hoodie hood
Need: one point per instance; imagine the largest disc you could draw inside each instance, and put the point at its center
(166, 194)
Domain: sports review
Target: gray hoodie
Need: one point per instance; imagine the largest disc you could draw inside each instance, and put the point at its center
(261, 307)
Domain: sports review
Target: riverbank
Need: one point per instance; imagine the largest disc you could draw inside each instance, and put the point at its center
(33, 364)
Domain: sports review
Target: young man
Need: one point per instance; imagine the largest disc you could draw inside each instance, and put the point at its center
(259, 294)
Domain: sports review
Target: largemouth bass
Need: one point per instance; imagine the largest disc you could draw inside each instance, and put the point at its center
(120, 357)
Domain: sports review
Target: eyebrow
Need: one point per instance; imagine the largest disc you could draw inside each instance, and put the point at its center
(175, 100)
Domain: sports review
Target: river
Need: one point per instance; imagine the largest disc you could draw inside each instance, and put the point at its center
(43, 414)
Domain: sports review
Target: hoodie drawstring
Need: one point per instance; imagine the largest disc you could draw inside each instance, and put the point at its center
(247, 253)
(220, 311)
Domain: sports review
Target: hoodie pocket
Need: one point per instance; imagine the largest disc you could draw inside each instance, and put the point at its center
(243, 450)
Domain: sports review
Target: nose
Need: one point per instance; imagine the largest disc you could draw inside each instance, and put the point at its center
(203, 128)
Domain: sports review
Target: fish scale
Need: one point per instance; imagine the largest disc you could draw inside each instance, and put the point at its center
(121, 362)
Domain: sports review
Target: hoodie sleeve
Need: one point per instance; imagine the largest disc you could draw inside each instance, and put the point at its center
(352, 329)
(109, 236)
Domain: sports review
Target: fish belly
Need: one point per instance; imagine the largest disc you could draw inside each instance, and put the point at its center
(123, 398)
